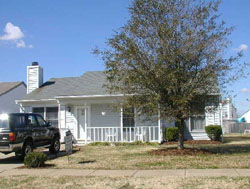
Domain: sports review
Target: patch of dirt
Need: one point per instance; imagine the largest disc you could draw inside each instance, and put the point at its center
(177, 152)
(195, 142)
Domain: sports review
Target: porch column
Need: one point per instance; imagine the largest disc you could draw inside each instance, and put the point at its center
(221, 122)
(121, 124)
(21, 108)
(86, 126)
(189, 123)
(159, 125)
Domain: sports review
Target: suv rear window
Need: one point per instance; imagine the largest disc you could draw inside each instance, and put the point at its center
(18, 121)
(4, 121)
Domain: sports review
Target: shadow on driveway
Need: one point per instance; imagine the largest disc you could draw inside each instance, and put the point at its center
(10, 159)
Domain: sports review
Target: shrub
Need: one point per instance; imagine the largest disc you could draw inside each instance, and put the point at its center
(172, 133)
(214, 132)
(100, 144)
(35, 159)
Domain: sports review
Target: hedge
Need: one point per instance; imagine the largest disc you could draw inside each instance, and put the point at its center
(172, 133)
(214, 132)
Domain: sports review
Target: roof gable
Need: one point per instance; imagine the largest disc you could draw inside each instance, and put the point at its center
(5, 87)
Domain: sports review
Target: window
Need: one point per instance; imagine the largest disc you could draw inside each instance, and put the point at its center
(32, 121)
(129, 117)
(198, 123)
(39, 110)
(40, 121)
(18, 121)
(52, 115)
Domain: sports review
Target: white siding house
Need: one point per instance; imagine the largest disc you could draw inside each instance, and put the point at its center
(9, 93)
(84, 106)
(229, 112)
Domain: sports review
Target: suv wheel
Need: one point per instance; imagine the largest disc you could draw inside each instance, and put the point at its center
(27, 148)
(55, 146)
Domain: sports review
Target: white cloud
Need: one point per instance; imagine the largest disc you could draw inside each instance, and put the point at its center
(22, 44)
(245, 90)
(242, 47)
(14, 34)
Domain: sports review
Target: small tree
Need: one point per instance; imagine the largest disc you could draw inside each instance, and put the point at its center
(169, 55)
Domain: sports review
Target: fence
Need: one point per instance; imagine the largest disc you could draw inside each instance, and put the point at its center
(128, 134)
(233, 127)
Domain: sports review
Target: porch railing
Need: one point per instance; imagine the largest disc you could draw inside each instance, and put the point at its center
(125, 134)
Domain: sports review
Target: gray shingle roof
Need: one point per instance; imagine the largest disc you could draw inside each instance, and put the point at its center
(5, 87)
(90, 83)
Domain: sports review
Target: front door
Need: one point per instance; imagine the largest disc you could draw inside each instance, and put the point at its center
(82, 122)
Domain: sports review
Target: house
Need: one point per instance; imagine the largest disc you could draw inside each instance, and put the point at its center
(84, 106)
(229, 112)
(9, 92)
(245, 117)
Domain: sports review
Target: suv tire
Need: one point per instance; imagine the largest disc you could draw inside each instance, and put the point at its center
(55, 146)
(27, 148)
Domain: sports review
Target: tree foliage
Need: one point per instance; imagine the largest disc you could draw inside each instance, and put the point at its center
(170, 55)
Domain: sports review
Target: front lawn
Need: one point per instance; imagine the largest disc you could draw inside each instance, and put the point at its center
(234, 153)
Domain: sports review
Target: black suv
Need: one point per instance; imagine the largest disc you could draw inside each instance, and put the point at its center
(22, 132)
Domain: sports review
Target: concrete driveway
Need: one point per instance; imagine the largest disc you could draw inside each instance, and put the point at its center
(10, 161)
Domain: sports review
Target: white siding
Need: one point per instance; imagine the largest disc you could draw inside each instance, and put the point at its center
(7, 101)
(110, 119)
(67, 121)
(62, 116)
(229, 112)
(70, 119)
(34, 78)
(213, 117)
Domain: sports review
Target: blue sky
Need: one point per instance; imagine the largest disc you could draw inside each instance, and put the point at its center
(60, 35)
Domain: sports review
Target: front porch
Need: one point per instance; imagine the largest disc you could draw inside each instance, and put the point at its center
(99, 122)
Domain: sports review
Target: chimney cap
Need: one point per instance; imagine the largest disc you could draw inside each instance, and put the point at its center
(35, 64)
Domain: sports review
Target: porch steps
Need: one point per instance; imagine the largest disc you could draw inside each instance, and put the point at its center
(199, 136)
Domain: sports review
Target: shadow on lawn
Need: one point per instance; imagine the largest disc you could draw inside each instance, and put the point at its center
(60, 154)
(229, 149)
(86, 162)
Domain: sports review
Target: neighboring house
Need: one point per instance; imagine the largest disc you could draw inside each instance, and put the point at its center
(84, 106)
(246, 117)
(9, 92)
(229, 112)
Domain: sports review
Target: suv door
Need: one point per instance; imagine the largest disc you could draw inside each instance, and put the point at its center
(45, 132)
(18, 124)
(36, 130)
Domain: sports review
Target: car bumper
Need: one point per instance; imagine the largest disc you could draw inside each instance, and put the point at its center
(11, 147)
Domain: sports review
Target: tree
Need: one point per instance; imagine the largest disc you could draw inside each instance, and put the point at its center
(170, 57)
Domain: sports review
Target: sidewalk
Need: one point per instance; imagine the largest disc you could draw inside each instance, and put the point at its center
(129, 173)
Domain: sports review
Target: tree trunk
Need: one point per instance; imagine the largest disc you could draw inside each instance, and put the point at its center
(181, 125)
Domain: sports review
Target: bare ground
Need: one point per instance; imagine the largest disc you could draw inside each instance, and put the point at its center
(123, 182)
